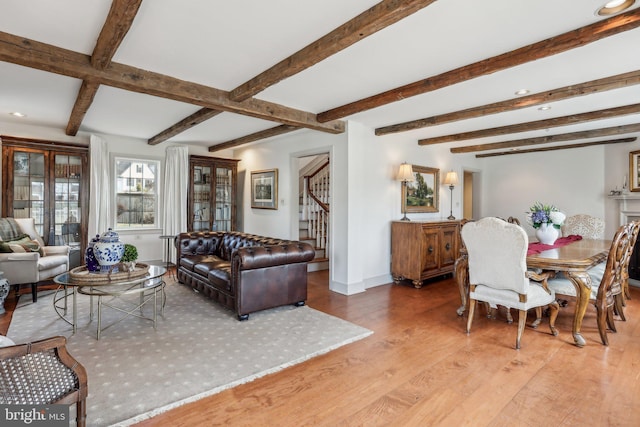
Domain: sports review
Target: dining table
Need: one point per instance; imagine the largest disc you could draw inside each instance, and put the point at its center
(574, 259)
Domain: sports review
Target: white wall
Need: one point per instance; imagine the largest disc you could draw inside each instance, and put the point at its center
(572, 180)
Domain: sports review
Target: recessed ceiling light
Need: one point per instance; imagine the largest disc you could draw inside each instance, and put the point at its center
(614, 6)
(522, 92)
(545, 108)
(18, 114)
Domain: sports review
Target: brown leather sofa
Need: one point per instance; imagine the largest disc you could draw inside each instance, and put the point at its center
(244, 272)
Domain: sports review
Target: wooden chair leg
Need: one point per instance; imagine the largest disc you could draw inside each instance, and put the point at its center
(601, 317)
(472, 309)
(81, 415)
(538, 320)
(34, 292)
(554, 307)
(610, 320)
(522, 319)
(619, 306)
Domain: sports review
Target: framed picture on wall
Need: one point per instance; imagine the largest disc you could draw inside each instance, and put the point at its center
(264, 189)
(634, 171)
(422, 194)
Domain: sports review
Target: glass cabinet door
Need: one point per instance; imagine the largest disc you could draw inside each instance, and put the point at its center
(202, 198)
(67, 197)
(28, 187)
(223, 198)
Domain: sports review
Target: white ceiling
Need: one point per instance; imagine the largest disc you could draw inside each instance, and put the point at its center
(222, 44)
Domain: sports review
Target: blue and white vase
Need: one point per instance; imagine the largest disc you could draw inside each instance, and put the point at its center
(108, 251)
(90, 259)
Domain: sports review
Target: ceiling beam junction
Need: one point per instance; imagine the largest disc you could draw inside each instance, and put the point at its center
(374, 19)
(115, 28)
(46, 57)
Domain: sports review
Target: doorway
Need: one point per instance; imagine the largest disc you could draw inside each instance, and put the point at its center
(314, 206)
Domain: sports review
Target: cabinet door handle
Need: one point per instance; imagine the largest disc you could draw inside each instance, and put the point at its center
(447, 246)
(430, 249)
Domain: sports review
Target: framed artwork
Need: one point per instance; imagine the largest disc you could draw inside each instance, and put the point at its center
(264, 189)
(634, 171)
(421, 195)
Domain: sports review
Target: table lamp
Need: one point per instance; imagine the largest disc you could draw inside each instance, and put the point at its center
(405, 174)
(451, 180)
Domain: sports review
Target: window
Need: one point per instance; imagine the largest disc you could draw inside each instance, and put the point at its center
(136, 193)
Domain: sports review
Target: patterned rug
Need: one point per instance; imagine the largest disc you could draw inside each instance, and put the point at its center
(198, 349)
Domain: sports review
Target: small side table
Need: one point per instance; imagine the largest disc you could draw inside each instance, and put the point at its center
(168, 238)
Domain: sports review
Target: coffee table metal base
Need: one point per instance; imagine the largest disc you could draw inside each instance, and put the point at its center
(109, 295)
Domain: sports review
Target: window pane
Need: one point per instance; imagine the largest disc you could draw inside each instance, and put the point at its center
(136, 195)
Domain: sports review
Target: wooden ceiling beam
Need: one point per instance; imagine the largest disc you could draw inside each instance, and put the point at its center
(263, 134)
(586, 88)
(594, 133)
(115, 28)
(374, 19)
(545, 48)
(537, 125)
(558, 147)
(196, 118)
(45, 57)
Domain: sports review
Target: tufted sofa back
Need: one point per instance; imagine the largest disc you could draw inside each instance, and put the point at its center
(221, 243)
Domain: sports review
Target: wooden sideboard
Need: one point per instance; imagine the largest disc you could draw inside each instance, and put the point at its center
(423, 249)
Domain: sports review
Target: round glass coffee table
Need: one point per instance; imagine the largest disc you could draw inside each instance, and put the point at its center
(109, 291)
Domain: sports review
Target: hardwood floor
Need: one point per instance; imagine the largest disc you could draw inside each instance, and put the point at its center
(419, 368)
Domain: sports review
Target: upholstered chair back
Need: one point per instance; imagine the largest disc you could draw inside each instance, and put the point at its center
(497, 252)
(587, 226)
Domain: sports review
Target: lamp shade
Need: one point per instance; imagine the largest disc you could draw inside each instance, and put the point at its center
(405, 173)
(451, 178)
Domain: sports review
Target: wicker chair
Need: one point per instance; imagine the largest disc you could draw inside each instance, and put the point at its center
(42, 373)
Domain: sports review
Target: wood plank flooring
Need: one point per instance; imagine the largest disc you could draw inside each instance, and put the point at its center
(419, 368)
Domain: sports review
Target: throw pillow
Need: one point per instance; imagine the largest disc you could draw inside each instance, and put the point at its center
(24, 244)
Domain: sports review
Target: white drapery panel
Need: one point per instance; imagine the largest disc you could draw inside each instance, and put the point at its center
(176, 186)
(99, 190)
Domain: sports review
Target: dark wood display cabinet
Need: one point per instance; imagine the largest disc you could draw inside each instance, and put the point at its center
(212, 194)
(48, 181)
(423, 249)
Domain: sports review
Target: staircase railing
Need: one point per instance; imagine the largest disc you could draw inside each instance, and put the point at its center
(316, 201)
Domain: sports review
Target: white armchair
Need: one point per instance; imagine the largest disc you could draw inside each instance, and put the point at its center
(30, 267)
(497, 253)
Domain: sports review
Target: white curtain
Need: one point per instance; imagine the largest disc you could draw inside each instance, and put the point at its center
(176, 186)
(99, 189)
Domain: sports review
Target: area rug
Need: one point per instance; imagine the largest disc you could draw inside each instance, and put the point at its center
(198, 349)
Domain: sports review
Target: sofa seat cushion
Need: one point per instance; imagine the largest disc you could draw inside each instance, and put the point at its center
(190, 261)
(203, 268)
(221, 277)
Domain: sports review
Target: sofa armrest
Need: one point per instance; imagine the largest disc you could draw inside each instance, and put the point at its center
(252, 257)
(56, 250)
(19, 256)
